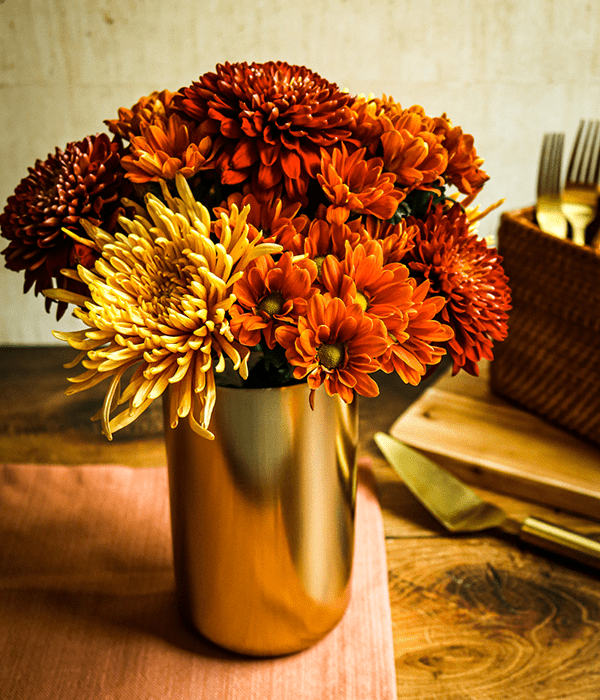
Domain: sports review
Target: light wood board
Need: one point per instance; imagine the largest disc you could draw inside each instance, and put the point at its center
(494, 445)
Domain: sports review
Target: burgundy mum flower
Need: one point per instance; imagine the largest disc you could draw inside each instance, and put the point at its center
(85, 180)
(272, 119)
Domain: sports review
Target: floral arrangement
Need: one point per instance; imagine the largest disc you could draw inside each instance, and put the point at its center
(260, 227)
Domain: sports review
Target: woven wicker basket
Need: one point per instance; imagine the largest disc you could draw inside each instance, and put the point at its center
(550, 362)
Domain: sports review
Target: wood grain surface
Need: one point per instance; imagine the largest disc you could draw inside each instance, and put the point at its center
(474, 617)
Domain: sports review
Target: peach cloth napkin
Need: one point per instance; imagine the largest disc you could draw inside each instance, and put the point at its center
(87, 602)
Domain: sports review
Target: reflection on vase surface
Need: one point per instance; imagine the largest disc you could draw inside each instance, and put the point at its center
(263, 517)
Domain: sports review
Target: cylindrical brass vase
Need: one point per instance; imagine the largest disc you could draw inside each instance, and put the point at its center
(263, 518)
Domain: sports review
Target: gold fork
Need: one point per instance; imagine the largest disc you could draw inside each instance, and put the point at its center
(580, 195)
(548, 210)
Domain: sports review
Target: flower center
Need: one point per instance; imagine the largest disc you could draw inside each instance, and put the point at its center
(330, 356)
(361, 300)
(161, 290)
(319, 260)
(271, 304)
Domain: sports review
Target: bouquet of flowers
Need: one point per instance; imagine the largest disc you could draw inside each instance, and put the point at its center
(260, 227)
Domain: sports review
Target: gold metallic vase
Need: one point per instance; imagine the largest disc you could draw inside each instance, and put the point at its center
(263, 518)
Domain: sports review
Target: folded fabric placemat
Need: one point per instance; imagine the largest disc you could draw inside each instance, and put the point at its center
(88, 610)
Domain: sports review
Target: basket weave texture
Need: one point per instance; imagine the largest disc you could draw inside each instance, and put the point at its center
(550, 362)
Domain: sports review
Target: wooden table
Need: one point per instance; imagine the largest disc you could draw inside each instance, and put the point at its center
(474, 617)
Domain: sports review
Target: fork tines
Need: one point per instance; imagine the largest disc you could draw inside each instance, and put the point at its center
(584, 164)
(549, 215)
(580, 195)
(550, 162)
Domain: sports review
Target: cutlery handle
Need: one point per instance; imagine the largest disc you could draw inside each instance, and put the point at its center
(561, 541)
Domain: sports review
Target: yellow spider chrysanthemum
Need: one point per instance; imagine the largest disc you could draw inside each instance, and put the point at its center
(159, 299)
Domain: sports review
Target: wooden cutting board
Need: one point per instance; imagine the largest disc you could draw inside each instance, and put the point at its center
(491, 444)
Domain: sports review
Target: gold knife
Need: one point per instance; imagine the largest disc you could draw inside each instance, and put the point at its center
(460, 509)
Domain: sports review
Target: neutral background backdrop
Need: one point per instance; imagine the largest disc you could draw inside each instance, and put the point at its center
(504, 70)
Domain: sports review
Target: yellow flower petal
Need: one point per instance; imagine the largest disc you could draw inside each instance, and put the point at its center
(158, 300)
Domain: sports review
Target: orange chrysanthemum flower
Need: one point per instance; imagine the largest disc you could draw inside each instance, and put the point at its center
(417, 338)
(335, 345)
(417, 148)
(416, 160)
(275, 218)
(469, 275)
(165, 148)
(146, 109)
(369, 124)
(323, 239)
(362, 278)
(388, 293)
(414, 120)
(375, 116)
(396, 239)
(356, 185)
(272, 119)
(387, 106)
(464, 166)
(270, 294)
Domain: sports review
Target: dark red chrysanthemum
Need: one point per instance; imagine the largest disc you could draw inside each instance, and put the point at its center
(468, 274)
(85, 180)
(272, 119)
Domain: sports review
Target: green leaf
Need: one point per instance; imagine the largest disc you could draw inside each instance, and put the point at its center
(418, 203)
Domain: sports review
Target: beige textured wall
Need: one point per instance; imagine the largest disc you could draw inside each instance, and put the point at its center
(505, 70)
